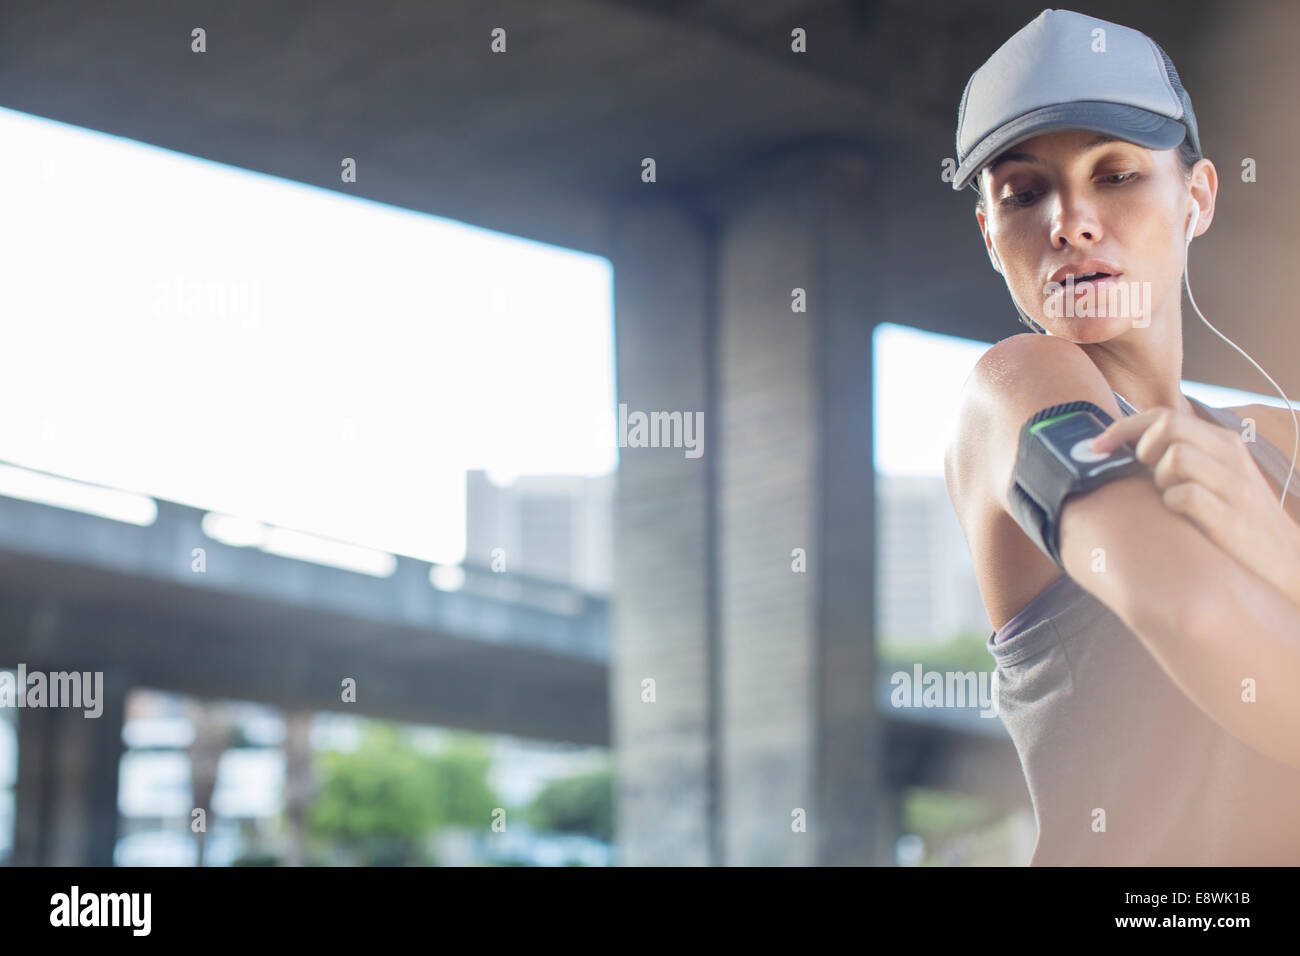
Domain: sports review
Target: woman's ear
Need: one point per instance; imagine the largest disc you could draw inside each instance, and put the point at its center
(1205, 189)
(988, 243)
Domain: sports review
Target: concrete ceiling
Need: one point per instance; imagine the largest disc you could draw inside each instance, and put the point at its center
(546, 140)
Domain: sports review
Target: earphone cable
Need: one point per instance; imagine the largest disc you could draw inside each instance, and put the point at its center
(1294, 421)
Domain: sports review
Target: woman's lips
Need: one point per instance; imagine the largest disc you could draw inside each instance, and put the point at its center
(1082, 285)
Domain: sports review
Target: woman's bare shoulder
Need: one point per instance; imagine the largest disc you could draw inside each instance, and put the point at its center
(1012, 380)
(1276, 425)
(1011, 359)
(1273, 422)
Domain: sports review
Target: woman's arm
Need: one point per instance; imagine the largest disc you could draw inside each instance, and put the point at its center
(1206, 474)
(1210, 623)
(1228, 639)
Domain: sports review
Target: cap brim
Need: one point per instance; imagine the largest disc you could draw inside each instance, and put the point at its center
(1127, 122)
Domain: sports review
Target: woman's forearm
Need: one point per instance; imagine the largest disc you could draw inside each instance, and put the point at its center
(1267, 545)
(1229, 639)
(1236, 655)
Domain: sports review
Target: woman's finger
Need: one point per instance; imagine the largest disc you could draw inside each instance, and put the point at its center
(1127, 429)
(1222, 444)
(1259, 543)
(1206, 509)
(1153, 431)
(1183, 462)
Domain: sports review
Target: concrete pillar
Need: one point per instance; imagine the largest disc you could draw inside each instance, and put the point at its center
(763, 715)
(803, 742)
(663, 606)
(65, 797)
(33, 787)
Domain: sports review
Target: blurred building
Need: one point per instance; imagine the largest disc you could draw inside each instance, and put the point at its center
(925, 582)
(548, 526)
(155, 786)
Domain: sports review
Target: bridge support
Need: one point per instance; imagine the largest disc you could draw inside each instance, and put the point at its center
(743, 657)
(65, 797)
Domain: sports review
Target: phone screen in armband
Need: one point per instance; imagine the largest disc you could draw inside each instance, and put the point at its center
(1068, 435)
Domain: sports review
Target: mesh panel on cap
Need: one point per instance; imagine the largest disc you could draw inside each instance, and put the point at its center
(1189, 116)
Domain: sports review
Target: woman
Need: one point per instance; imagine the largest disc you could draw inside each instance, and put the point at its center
(1150, 689)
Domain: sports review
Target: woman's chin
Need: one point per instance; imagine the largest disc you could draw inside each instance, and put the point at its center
(1091, 329)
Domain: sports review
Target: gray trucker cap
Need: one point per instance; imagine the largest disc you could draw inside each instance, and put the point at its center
(1058, 72)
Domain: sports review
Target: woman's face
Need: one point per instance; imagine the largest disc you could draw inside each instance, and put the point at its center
(1077, 198)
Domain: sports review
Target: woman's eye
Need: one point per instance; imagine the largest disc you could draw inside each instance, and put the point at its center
(1025, 197)
(1014, 199)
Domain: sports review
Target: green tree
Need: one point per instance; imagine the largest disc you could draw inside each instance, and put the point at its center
(580, 804)
(962, 651)
(382, 801)
(459, 794)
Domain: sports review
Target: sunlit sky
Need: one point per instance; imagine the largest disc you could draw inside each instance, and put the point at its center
(241, 343)
(261, 348)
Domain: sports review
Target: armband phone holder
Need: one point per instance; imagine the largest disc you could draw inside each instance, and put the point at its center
(1054, 463)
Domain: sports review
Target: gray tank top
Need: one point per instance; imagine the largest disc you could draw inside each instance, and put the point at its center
(1099, 726)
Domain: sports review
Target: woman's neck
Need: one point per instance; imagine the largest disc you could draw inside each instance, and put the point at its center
(1144, 367)
(1142, 395)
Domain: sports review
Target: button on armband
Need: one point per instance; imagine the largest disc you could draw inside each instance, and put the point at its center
(1054, 462)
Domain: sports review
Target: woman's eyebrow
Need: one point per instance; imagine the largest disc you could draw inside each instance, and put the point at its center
(1031, 158)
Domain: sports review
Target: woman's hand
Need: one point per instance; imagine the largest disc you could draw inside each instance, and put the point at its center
(1207, 475)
